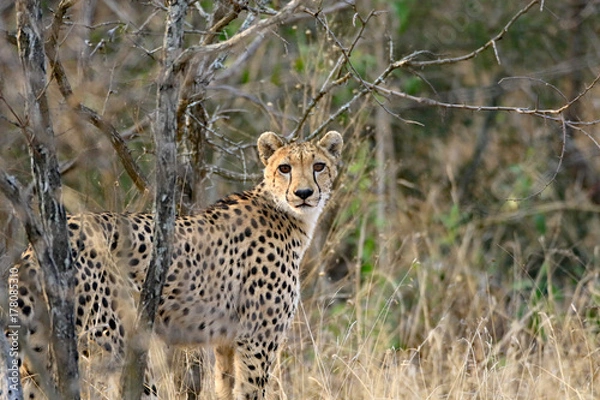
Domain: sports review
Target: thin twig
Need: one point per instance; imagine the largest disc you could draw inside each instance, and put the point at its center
(235, 176)
(214, 30)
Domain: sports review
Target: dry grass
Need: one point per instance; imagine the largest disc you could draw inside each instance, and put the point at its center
(465, 341)
(472, 310)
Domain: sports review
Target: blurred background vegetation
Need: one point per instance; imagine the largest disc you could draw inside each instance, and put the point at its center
(460, 255)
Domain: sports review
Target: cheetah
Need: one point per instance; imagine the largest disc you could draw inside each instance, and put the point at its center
(233, 282)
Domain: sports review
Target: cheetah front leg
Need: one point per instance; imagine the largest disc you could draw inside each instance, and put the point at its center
(224, 372)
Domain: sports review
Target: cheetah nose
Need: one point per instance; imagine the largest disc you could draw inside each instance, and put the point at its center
(304, 193)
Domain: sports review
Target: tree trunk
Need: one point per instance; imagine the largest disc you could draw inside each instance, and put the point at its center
(52, 248)
(166, 172)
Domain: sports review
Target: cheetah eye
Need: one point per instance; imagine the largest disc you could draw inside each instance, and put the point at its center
(318, 167)
(284, 168)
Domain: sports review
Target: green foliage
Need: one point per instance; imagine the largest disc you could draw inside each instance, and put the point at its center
(364, 63)
(299, 65)
(413, 85)
(452, 221)
(540, 224)
(359, 209)
(403, 10)
(245, 76)
(231, 29)
(275, 77)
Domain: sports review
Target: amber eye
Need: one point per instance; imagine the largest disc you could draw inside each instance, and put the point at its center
(285, 169)
(318, 167)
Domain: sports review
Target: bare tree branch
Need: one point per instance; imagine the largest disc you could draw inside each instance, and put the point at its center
(55, 254)
(235, 176)
(250, 49)
(409, 61)
(539, 112)
(166, 172)
(377, 87)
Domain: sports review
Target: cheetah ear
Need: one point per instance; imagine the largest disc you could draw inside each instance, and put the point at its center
(332, 142)
(268, 143)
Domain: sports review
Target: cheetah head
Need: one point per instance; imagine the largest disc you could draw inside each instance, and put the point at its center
(300, 176)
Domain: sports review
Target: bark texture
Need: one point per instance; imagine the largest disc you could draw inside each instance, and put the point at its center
(50, 239)
(166, 172)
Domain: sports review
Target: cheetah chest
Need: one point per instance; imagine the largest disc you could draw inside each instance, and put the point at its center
(240, 278)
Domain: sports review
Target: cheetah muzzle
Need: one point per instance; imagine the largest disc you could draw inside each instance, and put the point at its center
(233, 282)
